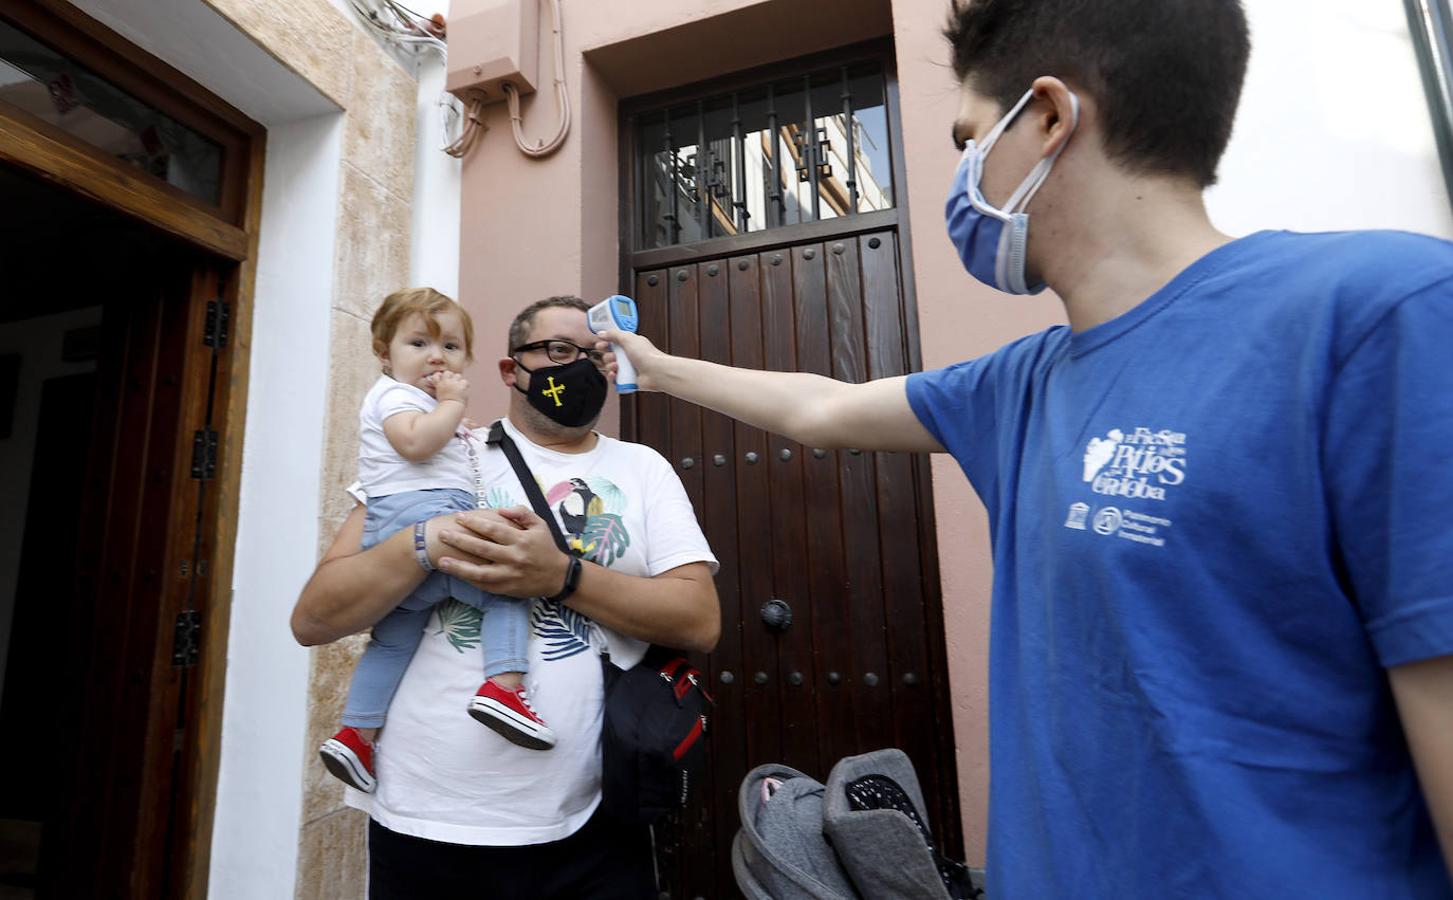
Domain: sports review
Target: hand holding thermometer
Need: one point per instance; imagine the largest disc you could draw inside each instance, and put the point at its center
(617, 312)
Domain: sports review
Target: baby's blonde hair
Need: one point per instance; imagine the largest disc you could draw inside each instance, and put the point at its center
(399, 305)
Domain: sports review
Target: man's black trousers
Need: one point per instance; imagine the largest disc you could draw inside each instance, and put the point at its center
(604, 860)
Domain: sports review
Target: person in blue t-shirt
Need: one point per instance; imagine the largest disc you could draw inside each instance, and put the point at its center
(1221, 500)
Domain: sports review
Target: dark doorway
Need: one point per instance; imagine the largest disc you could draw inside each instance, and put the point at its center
(95, 311)
(131, 200)
(765, 227)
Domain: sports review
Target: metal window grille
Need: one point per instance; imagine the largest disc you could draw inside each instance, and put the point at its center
(781, 153)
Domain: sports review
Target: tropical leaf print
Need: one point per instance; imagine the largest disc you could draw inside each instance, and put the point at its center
(498, 498)
(605, 538)
(459, 623)
(612, 500)
(564, 631)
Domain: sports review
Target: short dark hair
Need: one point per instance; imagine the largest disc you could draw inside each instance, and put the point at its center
(520, 327)
(1166, 74)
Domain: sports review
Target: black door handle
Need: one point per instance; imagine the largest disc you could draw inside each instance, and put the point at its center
(776, 615)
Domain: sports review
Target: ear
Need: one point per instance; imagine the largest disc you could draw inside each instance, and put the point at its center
(508, 372)
(383, 360)
(1057, 112)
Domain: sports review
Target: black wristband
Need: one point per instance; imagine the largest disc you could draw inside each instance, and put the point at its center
(572, 579)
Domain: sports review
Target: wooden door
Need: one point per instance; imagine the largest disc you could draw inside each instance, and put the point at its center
(842, 540)
(101, 687)
(141, 573)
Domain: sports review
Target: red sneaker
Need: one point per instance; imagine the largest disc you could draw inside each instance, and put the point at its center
(509, 713)
(350, 759)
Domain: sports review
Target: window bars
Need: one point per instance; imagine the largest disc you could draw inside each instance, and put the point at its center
(782, 153)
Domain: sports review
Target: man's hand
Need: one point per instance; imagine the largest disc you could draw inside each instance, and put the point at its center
(512, 553)
(644, 356)
(509, 552)
(449, 386)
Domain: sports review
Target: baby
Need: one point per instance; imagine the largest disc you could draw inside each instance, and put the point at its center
(415, 462)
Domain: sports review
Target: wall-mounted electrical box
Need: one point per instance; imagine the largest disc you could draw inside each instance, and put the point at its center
(492, 42)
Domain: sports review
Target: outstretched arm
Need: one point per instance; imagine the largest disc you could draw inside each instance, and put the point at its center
(811, 409)
(1424, 695)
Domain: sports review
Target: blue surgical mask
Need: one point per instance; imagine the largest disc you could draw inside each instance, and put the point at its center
(993, 242)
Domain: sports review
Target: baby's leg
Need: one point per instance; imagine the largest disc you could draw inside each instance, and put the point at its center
(502, 702)
(379, 671)
(504, 632)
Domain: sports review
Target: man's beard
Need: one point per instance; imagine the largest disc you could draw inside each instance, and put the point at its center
(542, 424)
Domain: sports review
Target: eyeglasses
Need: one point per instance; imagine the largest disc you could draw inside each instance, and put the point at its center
(561, 352)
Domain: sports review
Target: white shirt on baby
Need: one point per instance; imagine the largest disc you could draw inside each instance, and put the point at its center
(443, 776)
(381, 470)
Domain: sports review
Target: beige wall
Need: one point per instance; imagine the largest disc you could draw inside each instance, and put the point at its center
(534, 228)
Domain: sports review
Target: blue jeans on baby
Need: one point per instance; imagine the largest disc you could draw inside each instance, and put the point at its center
(504, 632)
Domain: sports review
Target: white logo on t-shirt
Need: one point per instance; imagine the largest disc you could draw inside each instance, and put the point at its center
(1139, 465)
(1076, 518)
(1107, 520)
(1130, 464)
(1100, 450)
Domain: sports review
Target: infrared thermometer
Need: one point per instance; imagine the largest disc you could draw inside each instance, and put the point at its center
(617, 312)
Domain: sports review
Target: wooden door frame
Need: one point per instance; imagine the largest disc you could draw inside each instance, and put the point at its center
(228, 232)
(633, 261)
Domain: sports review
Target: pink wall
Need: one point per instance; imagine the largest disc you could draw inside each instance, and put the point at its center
(958, 319)
(534, 228)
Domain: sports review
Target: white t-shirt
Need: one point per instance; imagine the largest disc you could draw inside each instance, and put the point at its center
(443, 776)
(381, 470)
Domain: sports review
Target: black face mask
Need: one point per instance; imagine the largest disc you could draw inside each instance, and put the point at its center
(571, 395)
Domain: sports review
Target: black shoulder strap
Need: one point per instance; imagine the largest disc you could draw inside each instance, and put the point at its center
(498, 437)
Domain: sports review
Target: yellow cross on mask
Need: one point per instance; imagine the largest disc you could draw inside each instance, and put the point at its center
(554, 391)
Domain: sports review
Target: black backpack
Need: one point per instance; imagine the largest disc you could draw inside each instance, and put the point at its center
(653, 740)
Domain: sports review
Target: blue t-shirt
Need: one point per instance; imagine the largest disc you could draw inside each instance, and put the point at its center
(1216, 519)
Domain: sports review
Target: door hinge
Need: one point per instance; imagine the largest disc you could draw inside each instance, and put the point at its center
(204, 454)
(187, 638)
(219, 319)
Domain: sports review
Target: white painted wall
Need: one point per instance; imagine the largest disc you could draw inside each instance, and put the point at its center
(434, 241)
(434, 247)
(259, 786)
(1334, 130)
(38, 341)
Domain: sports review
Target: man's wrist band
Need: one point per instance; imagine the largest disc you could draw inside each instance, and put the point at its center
(421, 546)
(572, 579)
